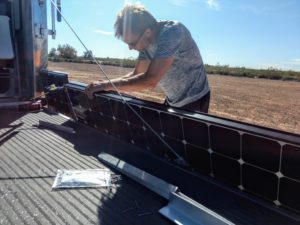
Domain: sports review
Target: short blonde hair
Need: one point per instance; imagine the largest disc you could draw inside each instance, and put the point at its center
(133, 18)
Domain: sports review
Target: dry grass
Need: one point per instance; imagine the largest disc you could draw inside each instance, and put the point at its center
(269, 103)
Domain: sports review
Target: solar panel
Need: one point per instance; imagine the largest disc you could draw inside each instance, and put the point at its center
(261, 161)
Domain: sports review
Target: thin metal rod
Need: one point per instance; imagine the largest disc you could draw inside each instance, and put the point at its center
(180, 160)
(53, 32)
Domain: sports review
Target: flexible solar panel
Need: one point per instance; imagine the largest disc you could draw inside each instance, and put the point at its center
(260, 161)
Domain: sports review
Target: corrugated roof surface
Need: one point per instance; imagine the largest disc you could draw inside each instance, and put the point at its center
(29, 159)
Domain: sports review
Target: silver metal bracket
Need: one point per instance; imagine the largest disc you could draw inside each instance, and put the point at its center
(184, 210)
(153, 183)
(39, 30)
(52, 33)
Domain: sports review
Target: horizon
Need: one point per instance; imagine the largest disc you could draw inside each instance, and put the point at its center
(256, 35)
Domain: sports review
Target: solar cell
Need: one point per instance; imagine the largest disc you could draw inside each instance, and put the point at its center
(226, 169)
(289, 194)
(260, 182)
(261, 152)
(225, 141)
(290, 165)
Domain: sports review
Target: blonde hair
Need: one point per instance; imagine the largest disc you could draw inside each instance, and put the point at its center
(133, 18)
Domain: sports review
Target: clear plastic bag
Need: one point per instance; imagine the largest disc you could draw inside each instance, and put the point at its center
(82, 178)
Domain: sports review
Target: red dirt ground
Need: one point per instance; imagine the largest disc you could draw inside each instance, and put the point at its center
(269, 103)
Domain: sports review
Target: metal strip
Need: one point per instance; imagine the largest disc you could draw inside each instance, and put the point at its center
(153, 183)
(183, 210)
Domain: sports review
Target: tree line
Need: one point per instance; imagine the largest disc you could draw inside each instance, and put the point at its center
(67, 53)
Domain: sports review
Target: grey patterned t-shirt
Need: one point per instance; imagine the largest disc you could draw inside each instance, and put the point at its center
(186, 80)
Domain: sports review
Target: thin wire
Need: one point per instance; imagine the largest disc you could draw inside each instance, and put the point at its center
(71, 105)
(181, 160)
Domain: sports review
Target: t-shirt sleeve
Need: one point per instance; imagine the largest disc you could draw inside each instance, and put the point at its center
(169, 42)
(143, 55)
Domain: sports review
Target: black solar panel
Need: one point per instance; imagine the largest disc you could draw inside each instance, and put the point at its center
(261, 161)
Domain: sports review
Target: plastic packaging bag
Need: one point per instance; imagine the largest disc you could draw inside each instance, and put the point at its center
(82, 178)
